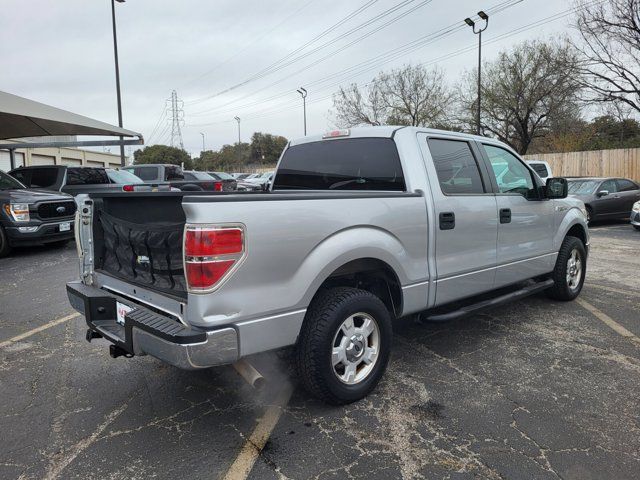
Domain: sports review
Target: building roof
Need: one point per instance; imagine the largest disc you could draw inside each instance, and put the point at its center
(21, 117)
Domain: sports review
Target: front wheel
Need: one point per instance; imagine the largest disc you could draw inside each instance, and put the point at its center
(570, 270)
(344, 345)
(637, 227)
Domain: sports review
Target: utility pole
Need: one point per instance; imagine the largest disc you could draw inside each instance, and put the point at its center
(202, 141)
(115, 54)
(177, 117)
(479, 31)
(238, 120)
(303, 94)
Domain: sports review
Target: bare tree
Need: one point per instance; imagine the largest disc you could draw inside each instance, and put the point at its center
(524, 92)
(610, 50)
(411, 95)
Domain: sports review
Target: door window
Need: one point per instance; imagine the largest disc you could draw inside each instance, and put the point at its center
(626, 185)
(609, 185)
(457, 169)
(510, 173)
(43, 177)
(86, 176)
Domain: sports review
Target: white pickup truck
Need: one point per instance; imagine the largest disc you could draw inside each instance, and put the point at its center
(359, 228)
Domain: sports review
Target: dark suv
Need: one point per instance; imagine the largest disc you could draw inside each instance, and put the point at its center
(29, 216)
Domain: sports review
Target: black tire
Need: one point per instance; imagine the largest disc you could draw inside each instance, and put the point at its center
(5, 248)
(637, 227)
(589, 213)
(313, 354)
(561, 289)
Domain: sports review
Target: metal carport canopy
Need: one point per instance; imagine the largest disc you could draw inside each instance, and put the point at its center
(21, 117)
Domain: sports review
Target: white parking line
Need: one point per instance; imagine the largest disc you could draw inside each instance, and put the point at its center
(52, 323)
(242, 465)
(607, 320)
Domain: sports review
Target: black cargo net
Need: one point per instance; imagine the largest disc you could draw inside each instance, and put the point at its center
(147, 255)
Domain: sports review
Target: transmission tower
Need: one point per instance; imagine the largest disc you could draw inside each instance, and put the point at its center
(177, 119)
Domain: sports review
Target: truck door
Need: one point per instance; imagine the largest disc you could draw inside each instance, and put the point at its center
(466, 219)
(526, 221)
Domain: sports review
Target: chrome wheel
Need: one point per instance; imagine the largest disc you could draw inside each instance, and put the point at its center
(574, 269)
(356, 346)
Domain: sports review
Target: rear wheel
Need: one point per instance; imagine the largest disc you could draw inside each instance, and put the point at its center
(589, 213)
(570, 270)
(5, 248)
(637, 227)
(344, 345)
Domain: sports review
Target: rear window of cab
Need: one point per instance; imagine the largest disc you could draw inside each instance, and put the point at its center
(346, 164)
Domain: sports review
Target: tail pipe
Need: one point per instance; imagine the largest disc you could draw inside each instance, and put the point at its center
(250, 374)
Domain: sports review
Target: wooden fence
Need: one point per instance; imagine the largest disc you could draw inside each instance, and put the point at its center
(623, 162)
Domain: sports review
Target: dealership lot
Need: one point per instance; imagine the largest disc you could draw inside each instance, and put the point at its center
(534, 389)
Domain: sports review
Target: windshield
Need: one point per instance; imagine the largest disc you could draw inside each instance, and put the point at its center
(122, 176)
(7, 182)
(224, 176)
(582, 187)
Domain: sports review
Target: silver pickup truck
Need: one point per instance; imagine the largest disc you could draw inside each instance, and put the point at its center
(359, 227)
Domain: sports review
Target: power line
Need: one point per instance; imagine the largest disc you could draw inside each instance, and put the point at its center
(279, 65)
(291, 105)
(371, 64)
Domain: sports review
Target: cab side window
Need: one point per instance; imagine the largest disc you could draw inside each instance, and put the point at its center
(625, 185)
(510, 173)
(457, 169)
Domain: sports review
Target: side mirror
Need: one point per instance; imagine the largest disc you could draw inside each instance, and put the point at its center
(602, 193)
(557, 187)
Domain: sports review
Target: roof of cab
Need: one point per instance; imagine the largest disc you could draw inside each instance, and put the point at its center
(384, 131)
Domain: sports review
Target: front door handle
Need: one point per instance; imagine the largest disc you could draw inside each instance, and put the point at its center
(447, 221)
(505, 215)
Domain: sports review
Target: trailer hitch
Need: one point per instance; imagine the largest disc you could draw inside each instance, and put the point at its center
(115, 351)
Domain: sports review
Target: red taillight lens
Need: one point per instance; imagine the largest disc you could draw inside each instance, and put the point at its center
(217, 187)
(127, 188)
(204, 275)
(201, 242)
(211, 252)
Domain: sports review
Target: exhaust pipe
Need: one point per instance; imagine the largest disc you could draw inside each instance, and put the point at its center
(250, 374)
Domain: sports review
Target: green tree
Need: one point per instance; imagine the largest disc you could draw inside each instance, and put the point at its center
(266, 148)
(162, 154)
(524, 92)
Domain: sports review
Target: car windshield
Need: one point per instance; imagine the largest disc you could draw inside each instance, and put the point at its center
(582, 187)
(224, 176)
(7, 182)
(122, 177)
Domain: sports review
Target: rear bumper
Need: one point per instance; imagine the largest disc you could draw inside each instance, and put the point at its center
(44, 233)
(148, 332)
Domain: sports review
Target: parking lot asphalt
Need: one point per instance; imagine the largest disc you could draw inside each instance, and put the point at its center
(534, 389)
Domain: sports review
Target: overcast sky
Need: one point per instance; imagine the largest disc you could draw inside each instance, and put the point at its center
(61, 53)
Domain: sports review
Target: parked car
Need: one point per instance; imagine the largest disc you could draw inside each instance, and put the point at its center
(359, 228)
(635, 216)
(175, 177)
(31, 217)
(605, 198)
(257, 181)
(248, 184)
(131, 183)
(229, 184)
(542, 168)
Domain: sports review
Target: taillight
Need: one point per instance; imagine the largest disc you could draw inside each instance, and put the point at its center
(127, 188)
(217, 187)
(211, 254)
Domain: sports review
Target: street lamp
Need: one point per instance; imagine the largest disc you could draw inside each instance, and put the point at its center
(238, 120)
(479, 31)
(115, 54)
(303, 94)
(202, 141)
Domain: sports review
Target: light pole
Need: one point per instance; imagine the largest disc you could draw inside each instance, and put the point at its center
(202, 141)
(115, 54)
(238, 120)
(303, 94)
(479, 31)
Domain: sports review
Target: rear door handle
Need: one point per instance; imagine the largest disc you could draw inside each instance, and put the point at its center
(505, 215)
(447, 221)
